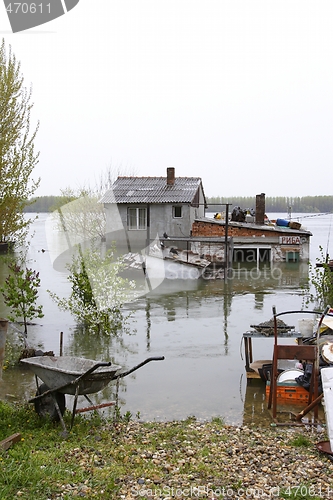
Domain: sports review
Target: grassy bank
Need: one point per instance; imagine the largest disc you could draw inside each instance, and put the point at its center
(187, 459)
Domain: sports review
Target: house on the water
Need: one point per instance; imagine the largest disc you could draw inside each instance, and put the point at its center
(146, 208)
(257, 239)
(172, 209)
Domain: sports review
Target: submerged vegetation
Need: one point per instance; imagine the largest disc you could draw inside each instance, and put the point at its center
(98, 292)
(20, 292)
(320, 282)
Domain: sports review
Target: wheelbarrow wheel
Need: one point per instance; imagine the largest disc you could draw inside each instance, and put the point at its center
(45, 406)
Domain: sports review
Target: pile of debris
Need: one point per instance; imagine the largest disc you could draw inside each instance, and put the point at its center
(239, 214)
(267, 327)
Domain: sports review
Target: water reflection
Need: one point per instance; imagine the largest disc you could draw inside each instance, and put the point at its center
(83, 343)
(259, 300)
(148, 323)
(256, 412)
(246, 277)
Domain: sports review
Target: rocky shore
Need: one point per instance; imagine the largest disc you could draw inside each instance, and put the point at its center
(189, 459)
(125, 459)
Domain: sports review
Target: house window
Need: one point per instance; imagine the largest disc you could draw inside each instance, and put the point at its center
(137, 218)
(177, 212)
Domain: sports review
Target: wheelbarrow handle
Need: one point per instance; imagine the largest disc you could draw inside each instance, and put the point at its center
(92, 369)
(156, 358)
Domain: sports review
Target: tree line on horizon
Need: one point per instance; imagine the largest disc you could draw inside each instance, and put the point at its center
(297, 204)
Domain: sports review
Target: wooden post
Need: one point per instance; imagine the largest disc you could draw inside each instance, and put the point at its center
(3, 335)
(61, 342)
(226, 250)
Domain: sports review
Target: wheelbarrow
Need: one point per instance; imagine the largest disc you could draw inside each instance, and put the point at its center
(75, 376)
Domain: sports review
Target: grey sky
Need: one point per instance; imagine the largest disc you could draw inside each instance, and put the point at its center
(237, 92)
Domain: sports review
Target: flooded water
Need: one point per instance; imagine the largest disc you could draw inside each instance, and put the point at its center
(196, 324)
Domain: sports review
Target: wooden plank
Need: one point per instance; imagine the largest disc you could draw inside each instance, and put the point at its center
(252, 375)
(95, 407)
(6, 443)
(296, 352)
(254, 334)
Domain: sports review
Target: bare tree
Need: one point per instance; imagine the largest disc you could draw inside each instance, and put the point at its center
(80, 214)
(110, 174)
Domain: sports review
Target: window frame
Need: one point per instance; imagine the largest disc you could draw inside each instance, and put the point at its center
(180, 207)
(139, 217)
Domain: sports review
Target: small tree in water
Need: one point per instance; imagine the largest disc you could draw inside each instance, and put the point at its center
(97, 291)
(20, 292)
(320, 290)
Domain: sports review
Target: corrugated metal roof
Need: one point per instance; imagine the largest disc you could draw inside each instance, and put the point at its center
(152, 190)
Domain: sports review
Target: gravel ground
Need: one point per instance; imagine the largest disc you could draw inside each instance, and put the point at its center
(189, 459)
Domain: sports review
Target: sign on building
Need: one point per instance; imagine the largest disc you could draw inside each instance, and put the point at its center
(289, 240)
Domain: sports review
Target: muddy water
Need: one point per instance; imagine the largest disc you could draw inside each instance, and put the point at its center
(196, 324)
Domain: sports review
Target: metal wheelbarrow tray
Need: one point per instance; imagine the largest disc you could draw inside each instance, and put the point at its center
(72, 375)
(58, 373)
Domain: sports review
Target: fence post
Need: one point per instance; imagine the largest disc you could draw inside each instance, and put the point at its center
(3, 335)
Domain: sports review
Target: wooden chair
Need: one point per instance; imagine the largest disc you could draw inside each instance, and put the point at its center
(302, 352)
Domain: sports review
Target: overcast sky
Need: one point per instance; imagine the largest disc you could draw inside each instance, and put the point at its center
(239, 93)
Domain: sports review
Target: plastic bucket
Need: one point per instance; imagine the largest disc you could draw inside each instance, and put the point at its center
(306, 327)
(282, 222)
